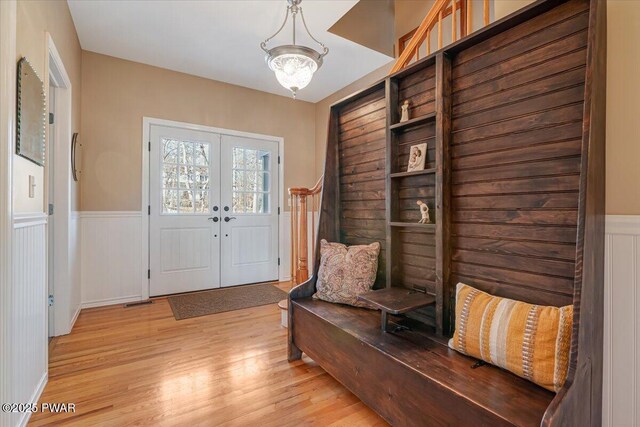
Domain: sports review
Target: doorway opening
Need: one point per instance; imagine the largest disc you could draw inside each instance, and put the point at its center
(62, 245)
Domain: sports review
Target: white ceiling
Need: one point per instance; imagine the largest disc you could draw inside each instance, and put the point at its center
(220, 40)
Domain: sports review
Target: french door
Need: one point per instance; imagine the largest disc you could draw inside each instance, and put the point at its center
(213, 217)
(249, 182)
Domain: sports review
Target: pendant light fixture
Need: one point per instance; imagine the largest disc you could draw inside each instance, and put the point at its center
(293, 64)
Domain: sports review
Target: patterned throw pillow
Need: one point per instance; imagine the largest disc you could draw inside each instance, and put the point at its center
(346, 272)
(532, 341)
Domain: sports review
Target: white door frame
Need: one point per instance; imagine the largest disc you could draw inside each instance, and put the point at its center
(63, 313)
(7, 134)
(146, 124)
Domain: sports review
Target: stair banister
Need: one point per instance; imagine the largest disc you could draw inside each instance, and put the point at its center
(299, 229)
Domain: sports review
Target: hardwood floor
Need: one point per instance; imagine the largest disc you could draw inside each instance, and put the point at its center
(139, 366)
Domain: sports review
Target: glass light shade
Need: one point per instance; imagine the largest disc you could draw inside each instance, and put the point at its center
(293, 71)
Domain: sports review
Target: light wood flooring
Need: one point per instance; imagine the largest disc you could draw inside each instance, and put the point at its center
(139, 366)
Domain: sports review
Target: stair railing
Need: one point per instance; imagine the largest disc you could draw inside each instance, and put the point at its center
(441, 9)
(303, 202)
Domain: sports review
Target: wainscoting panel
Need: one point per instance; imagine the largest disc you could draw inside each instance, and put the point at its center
(621, 394)
(111, 262)
(29, 312)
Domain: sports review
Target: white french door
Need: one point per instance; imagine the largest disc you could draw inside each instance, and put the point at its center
(249, 195)
(213, 217)
(184, 248)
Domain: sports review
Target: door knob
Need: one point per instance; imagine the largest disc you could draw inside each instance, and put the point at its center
(227, 219)
(214, 218)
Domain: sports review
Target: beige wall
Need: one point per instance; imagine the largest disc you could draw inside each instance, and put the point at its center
(117, 94)
(623, 107)
(34, 19)
(506, 7)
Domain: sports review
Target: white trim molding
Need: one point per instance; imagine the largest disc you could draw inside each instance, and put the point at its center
(621, 385)
(21, 220)
(66, 284)
(7, 135)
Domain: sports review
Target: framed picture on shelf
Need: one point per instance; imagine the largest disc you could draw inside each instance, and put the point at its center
(417, 157)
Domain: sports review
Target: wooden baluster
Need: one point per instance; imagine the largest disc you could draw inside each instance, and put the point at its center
(462, 7)
(440, 29)
(469, 17)
(294, 237)
(428, 42)
(303, 244)
(486, 12)
(313, 229)
(454, 21)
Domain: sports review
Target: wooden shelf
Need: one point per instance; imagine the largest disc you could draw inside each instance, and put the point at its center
(412, 224)
(413, 122)
(396, 300)
(414, 173)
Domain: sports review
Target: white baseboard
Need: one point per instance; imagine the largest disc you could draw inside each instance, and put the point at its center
(75, 317)
(24, 419)
(111, 301)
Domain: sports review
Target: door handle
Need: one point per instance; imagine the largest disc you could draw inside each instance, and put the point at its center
(214, 218)
(227, 219)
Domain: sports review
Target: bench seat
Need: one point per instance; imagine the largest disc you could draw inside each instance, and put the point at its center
(411, 378)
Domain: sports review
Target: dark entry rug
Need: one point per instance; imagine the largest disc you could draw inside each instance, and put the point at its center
(198, 304)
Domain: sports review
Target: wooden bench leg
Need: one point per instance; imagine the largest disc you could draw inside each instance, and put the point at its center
(384, 322)
(294, 353)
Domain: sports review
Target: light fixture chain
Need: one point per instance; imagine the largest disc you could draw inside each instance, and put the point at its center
(325, 49)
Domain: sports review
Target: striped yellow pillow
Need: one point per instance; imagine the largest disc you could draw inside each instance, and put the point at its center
(531, 341)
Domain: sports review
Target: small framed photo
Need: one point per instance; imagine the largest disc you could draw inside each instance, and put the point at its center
(417, 157)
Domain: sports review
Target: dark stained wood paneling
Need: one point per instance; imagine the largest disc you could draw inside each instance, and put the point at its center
(419, 89)
(415, 259)
(516, 157)
(362, 153)
(517, 142)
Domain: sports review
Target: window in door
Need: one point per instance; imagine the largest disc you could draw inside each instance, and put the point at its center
(185, 177)
(251, 175)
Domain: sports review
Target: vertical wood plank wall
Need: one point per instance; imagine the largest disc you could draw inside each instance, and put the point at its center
(516, 142)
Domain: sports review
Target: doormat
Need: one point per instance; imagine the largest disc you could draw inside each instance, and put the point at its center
(204, 303)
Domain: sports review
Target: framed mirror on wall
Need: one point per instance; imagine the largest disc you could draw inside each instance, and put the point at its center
(31, 114)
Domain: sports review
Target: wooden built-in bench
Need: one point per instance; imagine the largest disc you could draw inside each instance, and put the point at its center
(412, 374)
(513, 117)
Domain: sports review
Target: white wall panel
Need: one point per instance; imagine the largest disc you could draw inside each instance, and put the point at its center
(621, 396)
(29, 312)
(111, 262)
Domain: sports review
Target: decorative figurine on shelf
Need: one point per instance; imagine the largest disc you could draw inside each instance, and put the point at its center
(404, 108)
(424, 212)
(417, 157)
